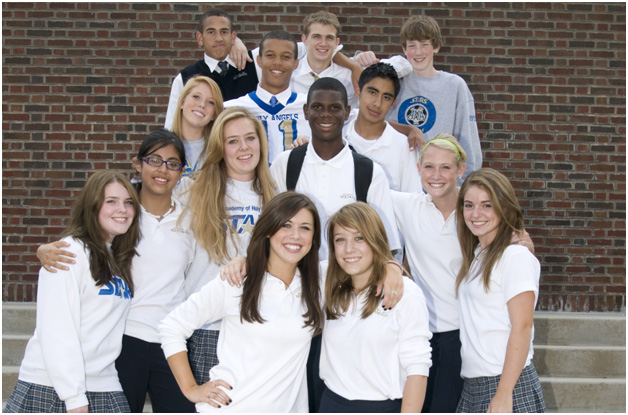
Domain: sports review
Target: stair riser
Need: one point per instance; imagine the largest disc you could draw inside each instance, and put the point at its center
(579, 331)
(13, 351)
(18, 319)
(594, 397)
(589, 363)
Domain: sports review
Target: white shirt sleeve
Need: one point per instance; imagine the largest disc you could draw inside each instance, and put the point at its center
(175, 92)
(379, 198)
(203, 307)
(521, 272)
(58, 327)
(415, 352)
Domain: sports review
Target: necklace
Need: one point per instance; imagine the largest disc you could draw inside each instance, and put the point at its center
(159, 217)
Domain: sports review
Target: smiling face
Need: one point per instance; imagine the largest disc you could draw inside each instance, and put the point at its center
(321, 43)
(480, 216)
(116, 213)
(159, 181)
(241, 149)
(278, 61)
(292, 241)
(440, 172)
(198, 107)
(217, 37)
(353, 254)
(326, 113)
(376, 98)
(420, 53)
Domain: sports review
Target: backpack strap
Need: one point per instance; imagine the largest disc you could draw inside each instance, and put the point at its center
(295, 163)
(362, 174)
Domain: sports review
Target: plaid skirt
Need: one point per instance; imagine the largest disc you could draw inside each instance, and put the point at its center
(527, 396)
(202, 353)
(31, 397)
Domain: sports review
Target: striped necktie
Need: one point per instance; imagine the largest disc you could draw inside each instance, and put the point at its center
(316, 77)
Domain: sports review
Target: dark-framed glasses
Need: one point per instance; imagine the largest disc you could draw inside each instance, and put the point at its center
(157, 162)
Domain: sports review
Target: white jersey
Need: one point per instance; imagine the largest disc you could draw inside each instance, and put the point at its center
(283, 122)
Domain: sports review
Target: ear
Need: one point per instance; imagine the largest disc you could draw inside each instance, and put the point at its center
(436, 49)
(304, 38)
(337, 41)
(137, 165)
(347, 112)
(461, 170)
(259, 59)
(305, 110)
(199, 38)
(233, 36)
(296, 64)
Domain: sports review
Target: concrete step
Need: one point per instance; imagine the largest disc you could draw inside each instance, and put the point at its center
(18, 318)
(584, 394)
(579, 329)
(9, 379)
(580, 361)
(13, 346)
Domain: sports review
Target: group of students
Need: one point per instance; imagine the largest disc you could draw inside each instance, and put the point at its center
(129, 302)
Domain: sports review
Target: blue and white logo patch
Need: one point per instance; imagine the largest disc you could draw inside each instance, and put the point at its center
(418, 111)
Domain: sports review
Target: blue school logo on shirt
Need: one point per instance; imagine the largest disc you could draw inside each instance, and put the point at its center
(243, 223)
(116, 287)
(418, 111)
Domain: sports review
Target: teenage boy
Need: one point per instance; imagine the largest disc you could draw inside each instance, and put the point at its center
(216, 36)
(435, 101)
(372, 136)
(327, 174)
(272, 102)
(320, 35)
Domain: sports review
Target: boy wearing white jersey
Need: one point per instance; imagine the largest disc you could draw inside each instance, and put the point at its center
(273, 103)
(371, 135)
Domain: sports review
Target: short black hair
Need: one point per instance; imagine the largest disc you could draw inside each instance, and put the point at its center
(281, 35)
(211, 13)
(380, 70)
(328, 84)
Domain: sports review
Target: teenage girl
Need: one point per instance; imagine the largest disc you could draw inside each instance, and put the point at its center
(165, 250)
(497, 287)
(199, 104)
(224, 202)
(372, 360)
(267, 323)
(68, 365)
(428, 225)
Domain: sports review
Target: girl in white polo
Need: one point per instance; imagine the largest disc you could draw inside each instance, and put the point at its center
(497, 287)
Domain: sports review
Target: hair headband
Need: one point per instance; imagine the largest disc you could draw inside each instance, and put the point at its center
(442, 140)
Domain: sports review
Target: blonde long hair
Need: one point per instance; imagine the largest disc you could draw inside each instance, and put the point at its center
(208, 214)
(339, 286)
(218, 107)
(510, 216)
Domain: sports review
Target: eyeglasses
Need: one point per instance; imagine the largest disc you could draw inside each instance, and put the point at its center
(157, 162)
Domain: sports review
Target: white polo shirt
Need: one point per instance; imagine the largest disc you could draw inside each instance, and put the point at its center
(330, 184)
(392, 152)
(264, 363)
(165, 250)
(484, 320)
(433, 254)
(302, 79)
(370, 359)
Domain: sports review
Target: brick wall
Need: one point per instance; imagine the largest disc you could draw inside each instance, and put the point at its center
(83, 83)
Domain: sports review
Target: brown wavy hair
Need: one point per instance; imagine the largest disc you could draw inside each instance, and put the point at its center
(84, 226)
(339, 286)
(274, 215)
